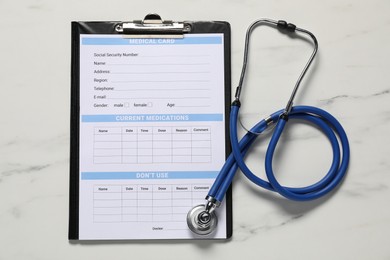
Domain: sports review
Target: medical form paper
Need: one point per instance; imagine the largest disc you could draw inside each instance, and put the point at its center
(152, 134)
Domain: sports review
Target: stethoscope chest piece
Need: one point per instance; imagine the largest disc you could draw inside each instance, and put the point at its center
(200, 221)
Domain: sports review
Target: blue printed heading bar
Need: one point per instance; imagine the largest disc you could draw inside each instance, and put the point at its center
(148, 175)
(123, 41)
(151, 118)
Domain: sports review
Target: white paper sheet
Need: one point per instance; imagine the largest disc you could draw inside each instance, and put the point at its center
(152, 134)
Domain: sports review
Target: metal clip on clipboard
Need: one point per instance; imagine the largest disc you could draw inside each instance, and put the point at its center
(152, 26)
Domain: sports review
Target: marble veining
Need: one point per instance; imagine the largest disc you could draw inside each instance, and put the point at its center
(331, 100)
(246, 232)
(30, 169)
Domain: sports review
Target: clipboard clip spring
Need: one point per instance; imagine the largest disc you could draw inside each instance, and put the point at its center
(152, 26)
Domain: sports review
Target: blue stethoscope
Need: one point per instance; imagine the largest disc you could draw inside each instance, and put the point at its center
(202, 219)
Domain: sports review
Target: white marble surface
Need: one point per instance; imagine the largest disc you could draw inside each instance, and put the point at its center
(350, 79)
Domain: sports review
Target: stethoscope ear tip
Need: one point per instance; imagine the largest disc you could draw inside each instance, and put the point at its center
(200, 221)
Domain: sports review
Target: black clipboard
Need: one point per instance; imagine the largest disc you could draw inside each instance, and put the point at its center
(151, 27)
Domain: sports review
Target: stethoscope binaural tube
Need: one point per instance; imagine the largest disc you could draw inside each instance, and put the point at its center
(322, 119)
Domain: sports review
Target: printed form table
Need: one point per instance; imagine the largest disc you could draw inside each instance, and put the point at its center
(138, 145)
(145, 202)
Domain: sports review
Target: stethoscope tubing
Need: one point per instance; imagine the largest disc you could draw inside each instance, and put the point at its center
(322, 119)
